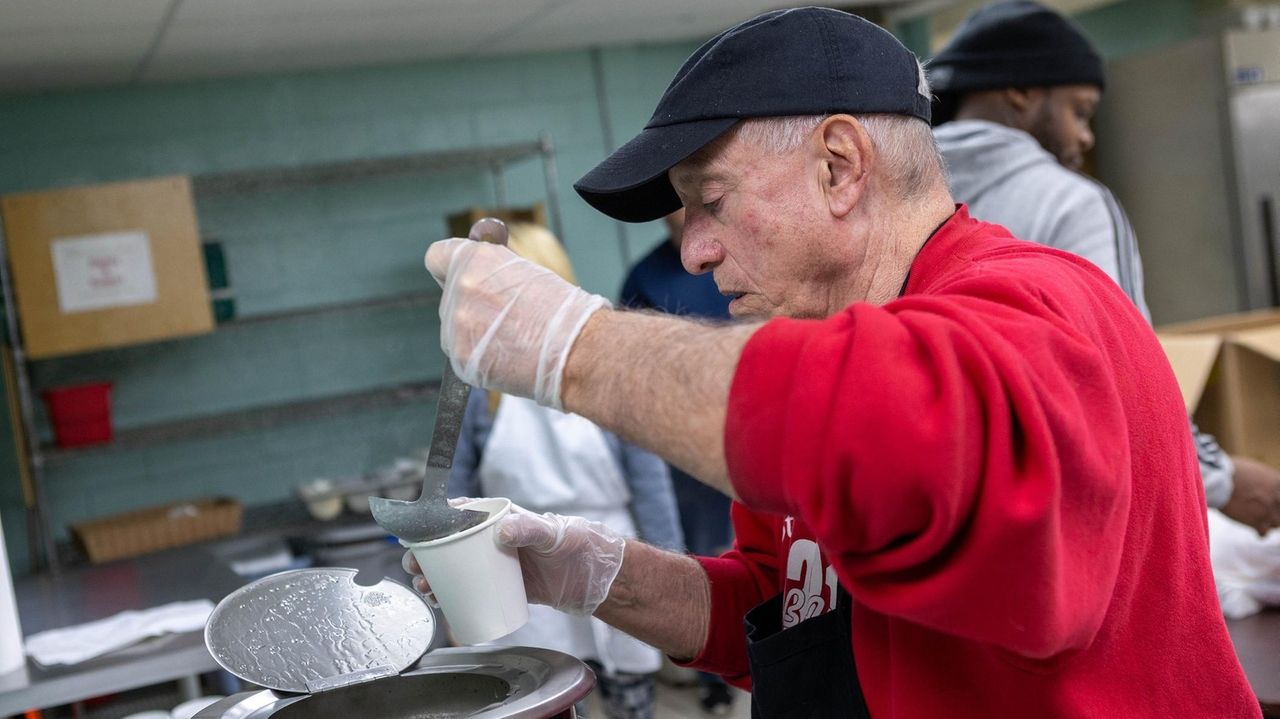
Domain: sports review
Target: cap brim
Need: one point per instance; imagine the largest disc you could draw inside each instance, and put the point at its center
(631, 184)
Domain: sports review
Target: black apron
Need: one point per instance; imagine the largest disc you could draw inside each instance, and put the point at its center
(807, 671)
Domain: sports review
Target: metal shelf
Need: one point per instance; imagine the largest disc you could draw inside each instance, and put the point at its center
(348, 170)
(254, 419)
(493, 159)
(402, 300)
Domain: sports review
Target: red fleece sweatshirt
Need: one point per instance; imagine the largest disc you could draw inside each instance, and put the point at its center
(997, 467)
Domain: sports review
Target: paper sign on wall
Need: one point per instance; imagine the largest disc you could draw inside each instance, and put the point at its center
(95, 272)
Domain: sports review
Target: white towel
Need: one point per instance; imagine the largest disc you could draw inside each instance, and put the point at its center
(1246, 567)
(70, 645)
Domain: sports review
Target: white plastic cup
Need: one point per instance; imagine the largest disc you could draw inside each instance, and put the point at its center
(476, 580)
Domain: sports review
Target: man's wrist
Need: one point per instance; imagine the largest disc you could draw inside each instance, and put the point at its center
(549, 384)
(577, 367)
(661, 597)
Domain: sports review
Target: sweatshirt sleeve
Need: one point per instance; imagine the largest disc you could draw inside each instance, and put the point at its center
(740, 579)
(1087, 220)
(939, 449)
(1080, 224)
(1217, 471)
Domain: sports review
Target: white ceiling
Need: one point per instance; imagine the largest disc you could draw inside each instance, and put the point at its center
(72, 43)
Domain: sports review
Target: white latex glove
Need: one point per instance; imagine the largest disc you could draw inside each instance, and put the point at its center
(569, 563)
(506, 323)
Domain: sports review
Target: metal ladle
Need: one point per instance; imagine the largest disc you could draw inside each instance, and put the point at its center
(430, 516)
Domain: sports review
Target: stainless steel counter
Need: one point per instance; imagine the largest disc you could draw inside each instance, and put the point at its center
(1257, 642)
(89, 593)
(95, 592)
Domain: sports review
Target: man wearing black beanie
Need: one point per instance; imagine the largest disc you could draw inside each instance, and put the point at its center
(1016, 88)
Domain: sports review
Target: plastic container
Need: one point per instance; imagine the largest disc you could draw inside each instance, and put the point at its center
(80, 414)
(322, 499)
(477, 581)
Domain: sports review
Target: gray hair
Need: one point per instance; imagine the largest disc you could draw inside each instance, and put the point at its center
(908, 154)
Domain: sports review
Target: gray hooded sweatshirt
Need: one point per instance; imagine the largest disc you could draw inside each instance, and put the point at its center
(1006, 177)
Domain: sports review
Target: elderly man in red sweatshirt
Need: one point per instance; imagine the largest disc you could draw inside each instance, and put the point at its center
(963, 478)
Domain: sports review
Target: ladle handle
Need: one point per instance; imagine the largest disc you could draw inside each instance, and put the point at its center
(450, 408)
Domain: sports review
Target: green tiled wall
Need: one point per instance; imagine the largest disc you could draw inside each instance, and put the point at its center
(1134, 26)
(298, 248)
(303, 247)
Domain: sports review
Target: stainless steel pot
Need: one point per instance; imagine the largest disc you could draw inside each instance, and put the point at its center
(481, 683)
(324, 646)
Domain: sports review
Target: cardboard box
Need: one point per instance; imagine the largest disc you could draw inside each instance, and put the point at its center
(1229, 371)
(106, 265)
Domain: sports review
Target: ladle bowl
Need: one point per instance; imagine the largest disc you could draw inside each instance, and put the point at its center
(430, 516)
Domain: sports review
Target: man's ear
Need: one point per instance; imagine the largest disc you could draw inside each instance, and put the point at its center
(847, 157)
(1019, 98)
(1023, 103)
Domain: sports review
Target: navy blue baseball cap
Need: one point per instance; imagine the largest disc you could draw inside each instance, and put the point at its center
(803, 61)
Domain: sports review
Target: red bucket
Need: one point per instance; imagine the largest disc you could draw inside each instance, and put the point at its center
(80, 414)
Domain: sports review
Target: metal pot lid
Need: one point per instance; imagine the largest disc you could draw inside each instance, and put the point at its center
(305, 630)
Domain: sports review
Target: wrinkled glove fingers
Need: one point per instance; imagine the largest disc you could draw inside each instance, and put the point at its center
(439, 256)
(530, 531)
(410, 565)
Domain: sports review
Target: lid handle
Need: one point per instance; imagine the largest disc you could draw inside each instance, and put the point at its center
(324, 684)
